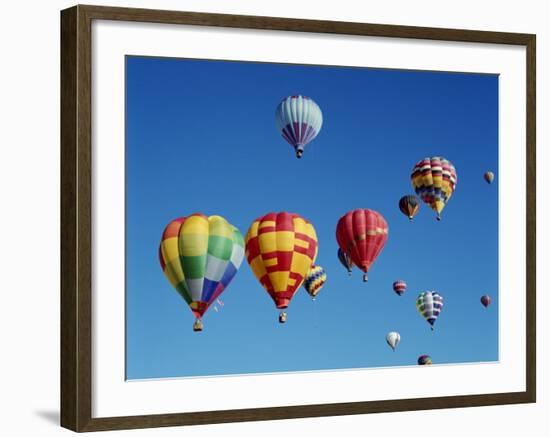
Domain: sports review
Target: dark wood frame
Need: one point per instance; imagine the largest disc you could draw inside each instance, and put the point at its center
(76, 224)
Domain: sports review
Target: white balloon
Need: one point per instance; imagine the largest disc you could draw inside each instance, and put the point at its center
(393, 339)
(299, 120)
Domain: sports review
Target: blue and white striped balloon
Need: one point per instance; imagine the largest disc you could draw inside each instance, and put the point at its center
(429, 305)
(299, 119)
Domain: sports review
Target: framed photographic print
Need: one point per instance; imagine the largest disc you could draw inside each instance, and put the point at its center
(268, 218)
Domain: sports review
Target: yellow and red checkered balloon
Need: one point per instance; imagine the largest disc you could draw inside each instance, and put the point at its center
(281, 248)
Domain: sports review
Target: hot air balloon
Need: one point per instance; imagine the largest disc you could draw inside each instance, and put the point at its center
(424, 360)
(409, 205)
(489, 177)
(345, 260)
(400, 287)
(362, 234)
(393, 339)
(314, 281)
(429, 304)
(299, 119)
(485, 300)
(199, 256)
(281, 248)
(434, 180)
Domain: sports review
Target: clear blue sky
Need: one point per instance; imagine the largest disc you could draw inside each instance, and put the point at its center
(201, 137)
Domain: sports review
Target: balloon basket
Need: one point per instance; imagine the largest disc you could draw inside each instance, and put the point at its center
(197, 326)
(365, 278)
(282, 317)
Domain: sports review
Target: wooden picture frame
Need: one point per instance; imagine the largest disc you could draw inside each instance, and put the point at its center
(76, 217)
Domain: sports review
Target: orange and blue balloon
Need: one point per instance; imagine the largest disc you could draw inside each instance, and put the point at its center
(409, 205)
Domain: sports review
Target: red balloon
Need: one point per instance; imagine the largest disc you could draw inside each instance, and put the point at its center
(362, 234)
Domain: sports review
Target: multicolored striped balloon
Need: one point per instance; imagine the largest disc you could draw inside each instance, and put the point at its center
(434, 180)
(314, 281)
(424, 360)
(299, 119)
(281, 248)
(400, 287)
(409, 205)
(485, 300)
(199, 256)
(362, 234)
(489, 177)
(345, 260)
(429, 305)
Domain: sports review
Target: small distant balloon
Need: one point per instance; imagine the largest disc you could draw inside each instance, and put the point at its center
(424, 360)
(409, 205)
(393, 338)
(489, 177)
(429, 305)
(485, 300)
(400, 287)
(314, 281)
(345, 260)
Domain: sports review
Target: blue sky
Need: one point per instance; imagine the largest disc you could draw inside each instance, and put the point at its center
(201, 137)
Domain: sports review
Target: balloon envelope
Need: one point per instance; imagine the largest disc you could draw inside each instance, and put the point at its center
(409, 205)
(314, 280)
(485, 300)
(299, 119)
(489, 177)
(393, 339)
(429, 305)
(280, 248)
(199, 256)
(424, 360)
(345, 260)
(400, 287)
(362, 234)
(434, 180)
